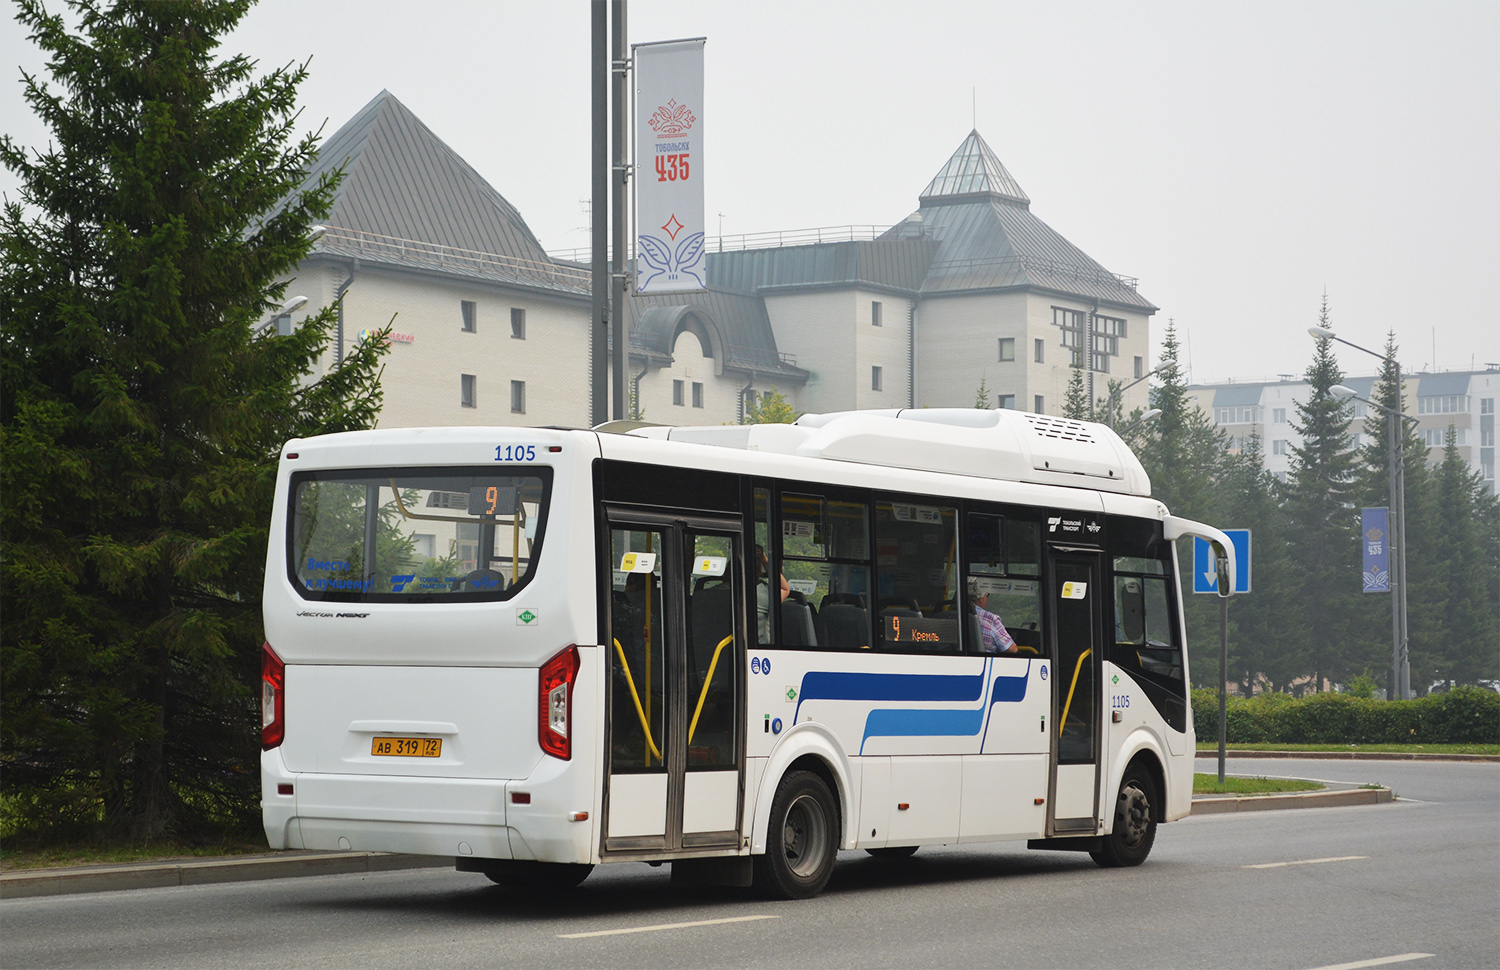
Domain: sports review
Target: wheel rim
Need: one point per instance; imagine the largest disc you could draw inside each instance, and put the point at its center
(1133, 816)
(805, 836)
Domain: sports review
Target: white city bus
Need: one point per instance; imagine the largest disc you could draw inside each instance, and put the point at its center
(735, 649)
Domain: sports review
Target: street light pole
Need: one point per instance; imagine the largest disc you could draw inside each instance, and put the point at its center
(1109, 405)
(1400, 687)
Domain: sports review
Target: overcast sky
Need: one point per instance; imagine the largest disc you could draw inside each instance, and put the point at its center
(1239, 159)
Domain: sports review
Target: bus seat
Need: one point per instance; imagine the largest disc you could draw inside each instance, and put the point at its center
(797, 624)
(844, 626)
(479, 580)
(852, 599)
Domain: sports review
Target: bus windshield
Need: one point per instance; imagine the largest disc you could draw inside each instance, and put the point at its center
(415, 535)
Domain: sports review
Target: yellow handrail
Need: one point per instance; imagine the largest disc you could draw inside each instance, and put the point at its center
(1077, 669)
(630, 682)
(703, 694)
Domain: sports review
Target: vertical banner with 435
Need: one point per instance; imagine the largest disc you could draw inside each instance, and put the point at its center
(670, 251)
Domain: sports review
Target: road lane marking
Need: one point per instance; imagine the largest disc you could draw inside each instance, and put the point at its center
(1306, 862)
(663, 926)
(1379, 962)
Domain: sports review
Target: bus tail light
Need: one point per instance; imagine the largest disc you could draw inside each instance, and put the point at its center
(555, 703)
(272, 698)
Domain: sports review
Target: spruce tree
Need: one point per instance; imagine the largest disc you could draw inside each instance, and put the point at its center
(142, 409)
(1323, 517)
(1183, 454)
(1467, 654)
(1076, 403)
(1425, 622)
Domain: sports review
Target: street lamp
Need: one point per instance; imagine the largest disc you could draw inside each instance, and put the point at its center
(1400, 656)
(1150, 415)
(1109, 404)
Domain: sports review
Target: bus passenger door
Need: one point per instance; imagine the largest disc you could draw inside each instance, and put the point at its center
(675, 745)
(1073, 605)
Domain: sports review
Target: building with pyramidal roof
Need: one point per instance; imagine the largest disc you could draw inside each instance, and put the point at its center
(969, 291)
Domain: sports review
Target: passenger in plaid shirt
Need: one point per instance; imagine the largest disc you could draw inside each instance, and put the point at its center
(996, 639)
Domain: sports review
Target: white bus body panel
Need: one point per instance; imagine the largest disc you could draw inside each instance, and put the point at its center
(463, 672)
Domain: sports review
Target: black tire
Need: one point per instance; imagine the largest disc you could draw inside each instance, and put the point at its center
(1134, 830)
(894, 852)
(802, 839)
(537, 876)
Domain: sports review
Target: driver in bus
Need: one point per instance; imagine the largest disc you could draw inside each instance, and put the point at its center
(995, 638)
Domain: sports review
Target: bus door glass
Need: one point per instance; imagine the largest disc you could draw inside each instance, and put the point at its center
(677, 617)
(1073, 602)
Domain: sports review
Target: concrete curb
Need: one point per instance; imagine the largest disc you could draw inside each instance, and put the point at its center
(1350, 755)
(150, 875)
(1224, 804)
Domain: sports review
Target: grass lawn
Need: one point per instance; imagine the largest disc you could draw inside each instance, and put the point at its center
(1209, 785)
(1381, 748)
(14, 857)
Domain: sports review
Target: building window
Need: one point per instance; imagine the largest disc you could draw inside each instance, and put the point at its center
(1007, 349)
(517, 323)
(1486, 405)
(466, 390)
(697, 394)
(1108, 332)
(1038, 350)
(1005, 401)
(877, 379)
(1278, 415)
(677, 389)
(1443, 404)
(1278, 446)
(875, 313)
(517, 397)
(1140, 367)
(1244, 414)
(1038, 404)
(471, 314)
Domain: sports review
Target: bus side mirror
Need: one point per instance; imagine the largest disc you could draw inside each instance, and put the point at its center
(1221, 564)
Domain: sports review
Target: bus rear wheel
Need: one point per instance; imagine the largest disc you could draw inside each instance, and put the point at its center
(1134, 830)
(802, 840)
(537, 876)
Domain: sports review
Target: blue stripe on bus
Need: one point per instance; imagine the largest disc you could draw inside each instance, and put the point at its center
(899, 722)
(830, 685)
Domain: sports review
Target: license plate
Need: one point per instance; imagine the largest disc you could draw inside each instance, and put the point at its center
(407, 747)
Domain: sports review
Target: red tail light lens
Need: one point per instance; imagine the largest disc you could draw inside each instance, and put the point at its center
(555, 704)
(272, 698)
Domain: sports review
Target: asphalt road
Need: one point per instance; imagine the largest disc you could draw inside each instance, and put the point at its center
(1417, 879)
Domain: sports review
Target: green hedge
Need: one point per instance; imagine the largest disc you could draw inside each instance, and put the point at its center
(1464, 715)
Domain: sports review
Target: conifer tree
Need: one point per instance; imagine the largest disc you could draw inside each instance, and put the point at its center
(1372, 631)
(1183, 453)
(1322, 516)
(1076, 403)
(142, 409)
(1467, 653)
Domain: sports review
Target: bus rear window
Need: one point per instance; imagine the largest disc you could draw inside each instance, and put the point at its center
(415, 535)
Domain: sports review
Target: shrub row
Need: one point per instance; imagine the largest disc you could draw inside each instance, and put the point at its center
(1464, 715)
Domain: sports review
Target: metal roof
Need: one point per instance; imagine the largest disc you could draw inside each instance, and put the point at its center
(1232, 395)
(1442, 385)
(738, 320)
(409, 199)
(886, 262)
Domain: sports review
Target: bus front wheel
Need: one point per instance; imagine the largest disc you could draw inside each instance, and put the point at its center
(802, 840)
(1129, 842)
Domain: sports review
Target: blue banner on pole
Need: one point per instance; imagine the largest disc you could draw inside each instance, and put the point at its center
(1375, 539)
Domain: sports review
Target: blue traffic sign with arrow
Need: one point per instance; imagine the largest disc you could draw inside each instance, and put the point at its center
(1206, 576)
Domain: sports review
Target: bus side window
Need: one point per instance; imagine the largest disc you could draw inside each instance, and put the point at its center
(824, 555)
